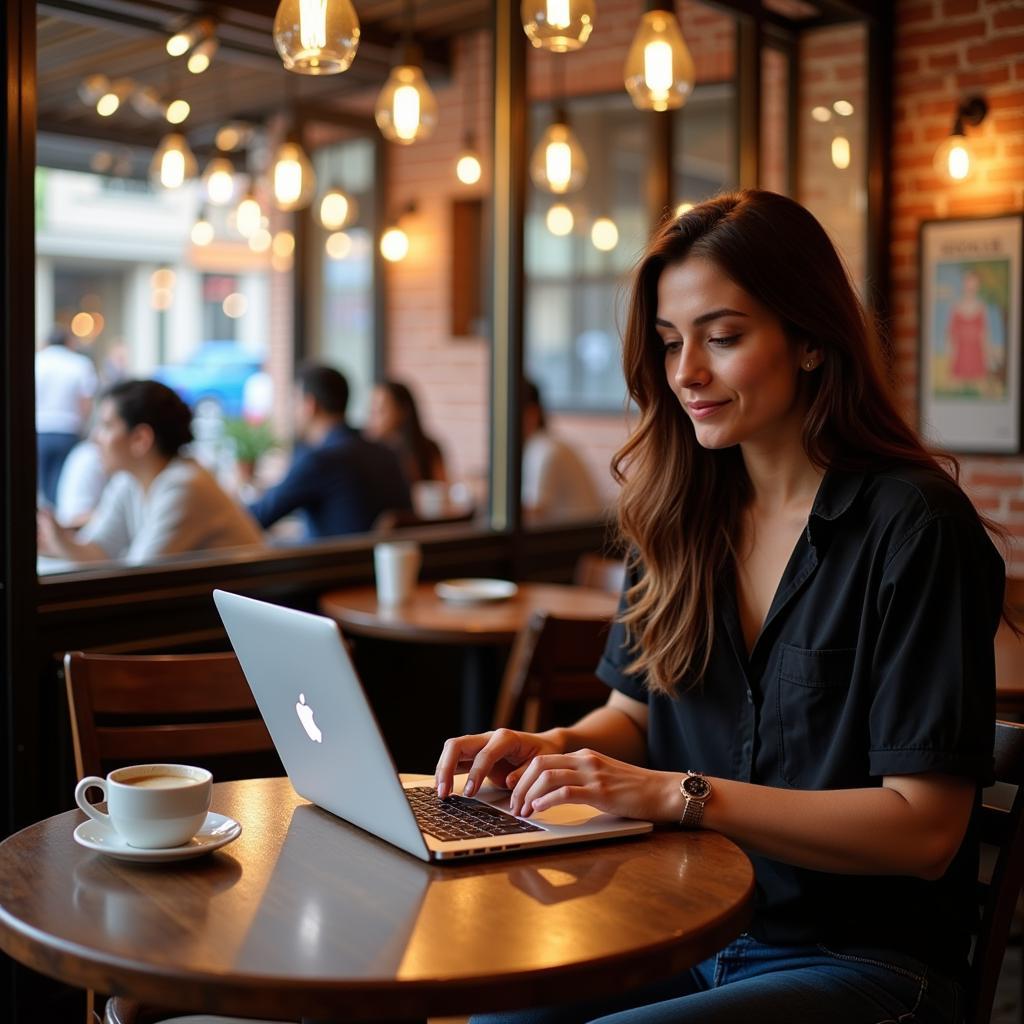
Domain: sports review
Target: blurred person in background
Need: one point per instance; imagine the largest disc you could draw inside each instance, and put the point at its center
(81, 484)
(158, 502)
(65, 385)
(395, 421)
(557, 486)
(339, 482)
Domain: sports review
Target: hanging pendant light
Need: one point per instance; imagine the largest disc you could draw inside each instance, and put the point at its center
(202, 231)
(202, 55)
(337, 209)
(406, 110)
(293, 177)
(558, 25)
(558, 164)
(660, 74)
(219, 181)
(248, 215)
(559, 220)
(316, 37)
(173, 162)
(604, 234)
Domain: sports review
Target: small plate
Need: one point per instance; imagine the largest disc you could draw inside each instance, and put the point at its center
(218, 830)
(470, 591)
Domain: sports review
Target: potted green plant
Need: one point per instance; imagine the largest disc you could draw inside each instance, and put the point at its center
(248, 442)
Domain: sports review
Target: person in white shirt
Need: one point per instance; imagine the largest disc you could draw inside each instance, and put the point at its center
(157, 502)
(65, 385)
(557, 487)
(81, 483)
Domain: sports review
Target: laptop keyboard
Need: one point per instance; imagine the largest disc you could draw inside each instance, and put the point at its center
(460, 818)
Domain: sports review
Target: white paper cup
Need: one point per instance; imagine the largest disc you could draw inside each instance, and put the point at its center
(151, 806)
(396, 566)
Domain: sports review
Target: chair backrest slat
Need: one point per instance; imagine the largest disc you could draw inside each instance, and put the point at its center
(128, 708)
(552, 664)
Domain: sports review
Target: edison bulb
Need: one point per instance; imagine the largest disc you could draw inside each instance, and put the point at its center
(394, 245)
(468, 169)
(559, 220)
(406, 109)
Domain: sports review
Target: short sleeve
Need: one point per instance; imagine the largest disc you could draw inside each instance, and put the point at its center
(933, 705)
(611, 669)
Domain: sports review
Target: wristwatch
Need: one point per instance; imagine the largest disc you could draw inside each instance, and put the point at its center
(696, 791)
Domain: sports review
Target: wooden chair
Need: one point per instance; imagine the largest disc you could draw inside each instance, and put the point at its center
(1002, 829)
(593, 570)
(551, 669)
(182, 707)
(195, 708)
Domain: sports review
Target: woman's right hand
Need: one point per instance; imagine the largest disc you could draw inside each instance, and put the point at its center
(497, 755)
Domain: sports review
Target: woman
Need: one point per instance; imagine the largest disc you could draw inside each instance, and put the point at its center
(395, 420)
(803, 659)
(157, 502)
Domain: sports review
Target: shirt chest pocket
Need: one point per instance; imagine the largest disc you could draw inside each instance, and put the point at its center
(813, 690)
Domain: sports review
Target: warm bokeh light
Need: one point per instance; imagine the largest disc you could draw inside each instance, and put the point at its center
(177, 111)
(178, 44)
(841, 152)
(284, 244)
(235, 305)
(334, 209)
(559, 219)
(162, 278)
(394, 245)
(108, 104)
(604, 234)
(219, 179)
(248, 216)
(683, 208)
(844, 108)
(821, 114)
(338, 245)
(260, 240)
(82, 325)
(202, 232)
(162, 298)
(468, 169)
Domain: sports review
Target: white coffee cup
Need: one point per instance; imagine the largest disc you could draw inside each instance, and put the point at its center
(396, 566)
(151, 806)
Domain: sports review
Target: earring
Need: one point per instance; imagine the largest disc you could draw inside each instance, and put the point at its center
(809, 365)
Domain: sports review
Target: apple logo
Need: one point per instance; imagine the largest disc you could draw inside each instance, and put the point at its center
(305, 713)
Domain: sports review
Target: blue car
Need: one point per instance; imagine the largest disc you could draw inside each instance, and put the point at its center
(212, 379)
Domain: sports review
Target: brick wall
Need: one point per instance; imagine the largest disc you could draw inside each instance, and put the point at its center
(947, 50)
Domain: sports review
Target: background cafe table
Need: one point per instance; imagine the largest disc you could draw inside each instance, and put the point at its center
(478, 627)
(305, 915)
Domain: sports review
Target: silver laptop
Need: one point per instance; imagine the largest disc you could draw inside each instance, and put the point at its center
(328, 740)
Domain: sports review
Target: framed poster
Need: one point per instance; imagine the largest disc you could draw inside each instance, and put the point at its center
(970, 333)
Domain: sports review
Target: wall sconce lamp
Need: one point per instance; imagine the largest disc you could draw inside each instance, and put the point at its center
(557, 25)
(316, 37)
(394, 243)
(660, 73)
(953, 157)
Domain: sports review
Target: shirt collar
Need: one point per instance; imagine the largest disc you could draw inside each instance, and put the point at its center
(835, 495)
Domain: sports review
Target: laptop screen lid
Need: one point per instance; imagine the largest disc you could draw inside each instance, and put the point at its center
(313, 704)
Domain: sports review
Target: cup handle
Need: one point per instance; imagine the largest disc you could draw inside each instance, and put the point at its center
(90, 809)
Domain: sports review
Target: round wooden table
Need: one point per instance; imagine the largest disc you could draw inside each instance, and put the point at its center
(479, 629)
(305, 915)
(427, 619)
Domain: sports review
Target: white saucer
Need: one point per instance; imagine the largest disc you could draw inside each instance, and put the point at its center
(218, 830)
(472, 591)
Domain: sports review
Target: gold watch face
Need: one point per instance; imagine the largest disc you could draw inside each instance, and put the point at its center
(697, 787)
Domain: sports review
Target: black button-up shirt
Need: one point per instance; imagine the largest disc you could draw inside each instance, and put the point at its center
(875, 658)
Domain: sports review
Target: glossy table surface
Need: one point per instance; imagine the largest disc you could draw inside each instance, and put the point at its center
(426, 618)
(305, 915)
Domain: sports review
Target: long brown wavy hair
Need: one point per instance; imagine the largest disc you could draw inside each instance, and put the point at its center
(680, 505)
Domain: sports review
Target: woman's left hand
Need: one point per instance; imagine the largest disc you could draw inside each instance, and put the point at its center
(588, 777)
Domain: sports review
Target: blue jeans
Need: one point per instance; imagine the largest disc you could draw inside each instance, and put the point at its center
(749, 982)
